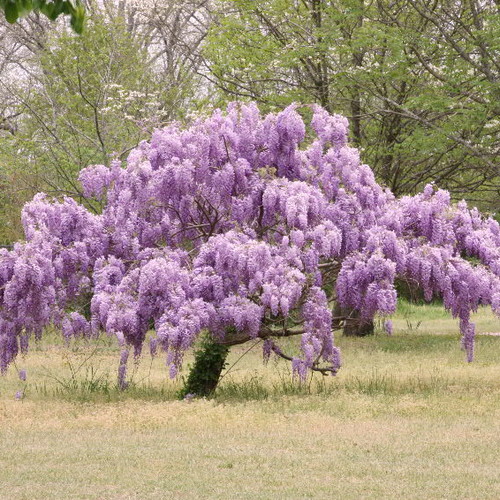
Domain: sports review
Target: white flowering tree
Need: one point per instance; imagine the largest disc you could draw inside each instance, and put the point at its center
(67, 101)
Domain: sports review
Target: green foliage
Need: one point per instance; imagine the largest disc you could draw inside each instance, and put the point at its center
(209, 361)
(14, 9)
(422, 97)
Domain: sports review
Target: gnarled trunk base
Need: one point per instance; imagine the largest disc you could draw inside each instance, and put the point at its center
(351, 324)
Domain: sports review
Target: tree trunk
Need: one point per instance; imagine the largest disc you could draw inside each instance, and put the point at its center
(357, 62)
(321, 74)
(209, 361)
(352, 326)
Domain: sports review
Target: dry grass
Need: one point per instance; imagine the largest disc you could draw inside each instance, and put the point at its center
(405, 418)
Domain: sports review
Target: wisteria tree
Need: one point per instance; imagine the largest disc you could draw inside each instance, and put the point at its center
(240, 227)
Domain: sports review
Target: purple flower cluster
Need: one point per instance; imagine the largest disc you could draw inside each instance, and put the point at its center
(241, 226)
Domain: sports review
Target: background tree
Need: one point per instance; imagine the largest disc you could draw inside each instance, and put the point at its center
(79, 106)
(417, 79)
(69, 101)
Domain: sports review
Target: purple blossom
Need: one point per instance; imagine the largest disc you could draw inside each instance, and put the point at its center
(388, 327)
(153, 346)
(122, 369)
(75, 325)
(300, 368)
(267, 349)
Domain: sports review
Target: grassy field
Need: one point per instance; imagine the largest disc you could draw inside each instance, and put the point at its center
(405, 418)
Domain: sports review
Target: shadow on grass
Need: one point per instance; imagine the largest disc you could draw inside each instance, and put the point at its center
(100, 386)
(103, 388)
(375, 383)
(402, 343)
(91, 384)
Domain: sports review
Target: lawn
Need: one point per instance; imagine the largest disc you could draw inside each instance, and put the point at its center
(406, 417)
